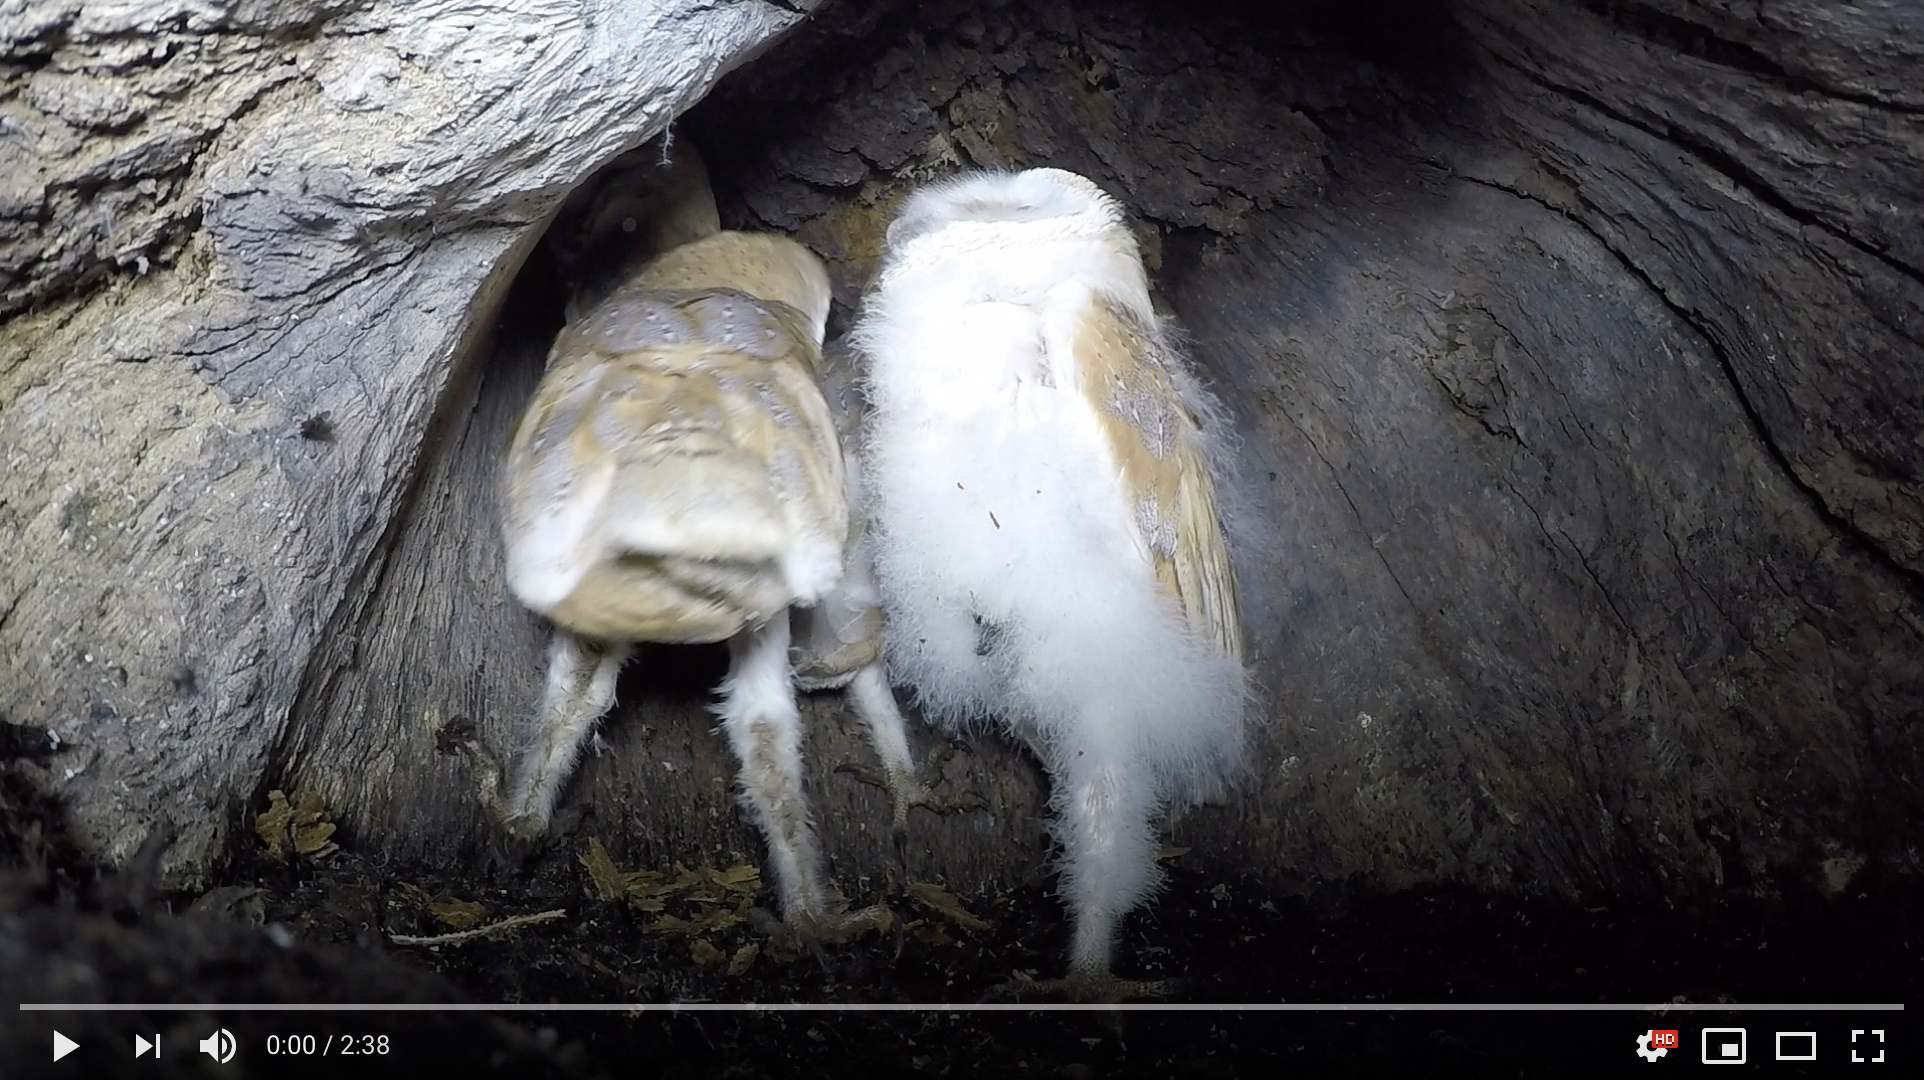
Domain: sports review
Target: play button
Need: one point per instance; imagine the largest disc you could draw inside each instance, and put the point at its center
(62, 1046)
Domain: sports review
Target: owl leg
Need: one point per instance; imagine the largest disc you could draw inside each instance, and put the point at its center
(1104, 809)
(888, 734)
(764, 729)
(580, 688)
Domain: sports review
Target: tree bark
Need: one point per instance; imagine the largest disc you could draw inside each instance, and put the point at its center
(1576, 349)
(247, 248)
(1576, 355)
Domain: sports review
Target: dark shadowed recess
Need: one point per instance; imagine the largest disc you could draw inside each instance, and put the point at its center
(1561, 568)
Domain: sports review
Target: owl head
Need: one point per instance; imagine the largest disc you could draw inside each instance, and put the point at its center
(643, 203)
(762, 265)
(1033, 195)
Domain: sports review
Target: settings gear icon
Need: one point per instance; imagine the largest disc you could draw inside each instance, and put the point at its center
(1648, 1052)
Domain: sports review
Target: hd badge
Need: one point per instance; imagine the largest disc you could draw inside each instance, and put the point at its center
(1654, 1044)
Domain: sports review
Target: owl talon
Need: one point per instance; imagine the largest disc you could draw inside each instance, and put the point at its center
(460, 737)
(907, 792)
(900, 835)
(937, 766)
(788, 936)
(520, 834)
(809, 932)
(846, 926)
(513, 851)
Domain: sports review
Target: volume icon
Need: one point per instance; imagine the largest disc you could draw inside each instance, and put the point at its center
(219, 1046)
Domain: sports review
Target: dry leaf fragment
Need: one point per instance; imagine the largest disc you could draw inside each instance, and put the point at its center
(311, 827)
(301, 824)
(943, 903)
(645, 883)
(312, 838)
(271, 824)
(668, 924)
(743, 958)
(719, 918)
(1165, 853)
(687, 884)
(645, 889)
(705, 954)
(608, 881)
(740, 878)
(458, 914)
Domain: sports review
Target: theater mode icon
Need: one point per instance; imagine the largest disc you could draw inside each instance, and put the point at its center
(1725, 1046)
(1655, 1043)
(1797, 1046)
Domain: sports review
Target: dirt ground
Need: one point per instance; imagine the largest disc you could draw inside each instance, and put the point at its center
(329, 925)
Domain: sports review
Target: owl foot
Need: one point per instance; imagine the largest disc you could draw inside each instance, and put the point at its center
(520, 833)
(907, 791)
(844, 926)
(460, 736)
(805, 931)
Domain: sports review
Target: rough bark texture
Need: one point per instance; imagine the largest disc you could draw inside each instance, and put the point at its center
(1577, 350)
(245, 249)
(1577, 357)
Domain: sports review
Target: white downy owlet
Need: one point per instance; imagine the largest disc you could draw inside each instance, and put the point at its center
(1041, 468)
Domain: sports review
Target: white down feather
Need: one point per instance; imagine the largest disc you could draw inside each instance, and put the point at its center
(994, 494)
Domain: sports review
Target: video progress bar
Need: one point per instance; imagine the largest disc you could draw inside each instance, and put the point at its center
(986, 1007)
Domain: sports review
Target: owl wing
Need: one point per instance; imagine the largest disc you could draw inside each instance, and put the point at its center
(674, 478)
(1126, 370)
